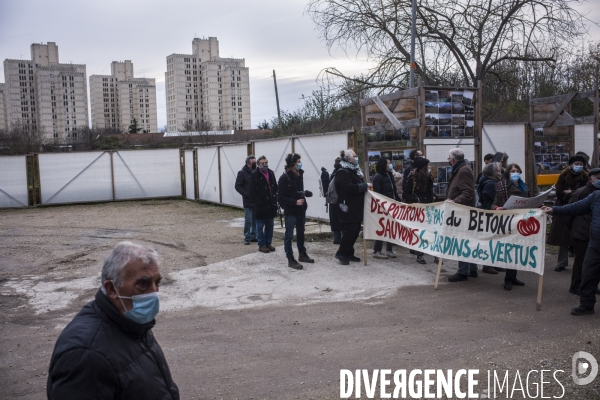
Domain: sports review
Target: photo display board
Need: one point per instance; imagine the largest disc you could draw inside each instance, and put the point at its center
(449, 114)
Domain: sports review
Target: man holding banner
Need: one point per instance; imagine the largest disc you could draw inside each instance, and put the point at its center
(591, 264)
(350, 187)
(461, 190)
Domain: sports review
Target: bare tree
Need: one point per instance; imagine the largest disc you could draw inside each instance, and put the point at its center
(458, 41)
(19, 140)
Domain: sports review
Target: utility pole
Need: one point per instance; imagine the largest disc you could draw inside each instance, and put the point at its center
(277, 99)
(413, 66)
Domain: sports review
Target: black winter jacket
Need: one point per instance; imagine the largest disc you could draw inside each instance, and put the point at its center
(384, 184)
(351, 190)
(290, 189)
(241, 186)
(414, 194)
(487, 192)
(264, 198)
(580, 225)
(103, 355)
(589, 204)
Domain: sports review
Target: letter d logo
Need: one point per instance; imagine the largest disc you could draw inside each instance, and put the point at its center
(582, 367)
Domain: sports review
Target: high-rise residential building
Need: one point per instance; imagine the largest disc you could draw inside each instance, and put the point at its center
(119, 98)
(3, 119)
(43, 96)
(205, 91)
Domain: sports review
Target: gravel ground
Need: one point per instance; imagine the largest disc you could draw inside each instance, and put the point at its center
(236, 323)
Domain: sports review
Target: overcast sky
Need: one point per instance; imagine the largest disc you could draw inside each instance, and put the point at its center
(269, 34)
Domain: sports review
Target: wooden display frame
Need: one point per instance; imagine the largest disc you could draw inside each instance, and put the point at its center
(409, 110)
(553, 114)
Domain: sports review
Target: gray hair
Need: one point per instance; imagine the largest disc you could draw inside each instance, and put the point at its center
(120, 256)
(260, 159)
(344, 154)
(250, 157)
(457, 154)
(491, 168)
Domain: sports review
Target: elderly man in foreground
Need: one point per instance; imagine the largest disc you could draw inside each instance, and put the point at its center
(108, 350)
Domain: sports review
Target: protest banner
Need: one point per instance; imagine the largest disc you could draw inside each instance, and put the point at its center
(507, 238)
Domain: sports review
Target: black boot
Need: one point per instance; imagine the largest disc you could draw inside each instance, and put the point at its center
(292, 263)
(305, 258)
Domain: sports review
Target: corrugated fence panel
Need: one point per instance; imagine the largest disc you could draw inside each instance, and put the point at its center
(317, 152)
(75, 177)
(584, 139)
(208, 173)
(232, 160)
(508, 138)
(275, 151)
(13, 182)
(148, 173)
(189, 175)
(436, 152)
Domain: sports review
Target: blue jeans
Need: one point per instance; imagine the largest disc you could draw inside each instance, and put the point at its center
(264, 231)
(249, 224)
(291, 222)
(465, 268)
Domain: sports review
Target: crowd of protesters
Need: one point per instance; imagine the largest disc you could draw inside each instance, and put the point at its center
(263, 194)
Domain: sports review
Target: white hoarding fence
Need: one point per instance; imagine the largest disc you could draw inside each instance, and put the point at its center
(13, 182)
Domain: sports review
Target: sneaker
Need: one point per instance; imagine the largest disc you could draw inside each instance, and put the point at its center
(391, 254)
(263, 249)
(474, 274)
(421, 260)
(292, 263)
(559, 269)
(458, 278)
(343, 260)
(353, 258)
(305, 258)
(500, 269)
(246, 242)
(489, 270)
(508, 285)
(378, 254)
(414, 252)
(517, 282)
(437, 260)
(581, 311)
(271, 248)
(254, 240)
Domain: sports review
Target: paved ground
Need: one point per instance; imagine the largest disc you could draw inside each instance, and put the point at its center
(236, 323)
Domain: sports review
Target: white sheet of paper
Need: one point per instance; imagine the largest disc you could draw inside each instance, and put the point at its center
(515, 202)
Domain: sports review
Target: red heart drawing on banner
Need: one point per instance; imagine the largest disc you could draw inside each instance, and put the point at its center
(529, 226)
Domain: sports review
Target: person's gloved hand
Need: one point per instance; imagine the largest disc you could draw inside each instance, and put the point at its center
(308, 193)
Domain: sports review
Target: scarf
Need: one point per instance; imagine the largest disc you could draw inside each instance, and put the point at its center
(355, 168)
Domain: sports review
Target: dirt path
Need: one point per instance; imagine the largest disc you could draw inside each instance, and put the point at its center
(240, 324)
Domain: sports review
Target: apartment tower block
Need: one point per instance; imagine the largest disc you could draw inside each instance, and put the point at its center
(44, 96)
(119, 98)
(205, 91)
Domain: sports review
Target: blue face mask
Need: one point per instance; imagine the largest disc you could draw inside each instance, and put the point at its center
(299, 165)
(577, 168)
(145, 307)
(515, 176)
(391, 167)
(597, 184)
(356, 160)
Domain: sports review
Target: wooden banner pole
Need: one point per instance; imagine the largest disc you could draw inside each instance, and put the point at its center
(437, 275)
(539, 297)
